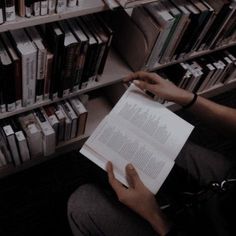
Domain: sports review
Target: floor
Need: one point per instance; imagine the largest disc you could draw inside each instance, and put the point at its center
(34, 201)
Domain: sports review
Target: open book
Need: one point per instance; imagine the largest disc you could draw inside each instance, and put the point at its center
(140, 131)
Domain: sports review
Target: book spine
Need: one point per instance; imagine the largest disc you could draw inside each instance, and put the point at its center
(61, 6)
(52, 6)
(79, 67)
(12, 144)
(28, 8)
(44, 7)
(10, 10)
(1, 12)
(28, 79)
(36, 8)
(48, 76)
(23, 146)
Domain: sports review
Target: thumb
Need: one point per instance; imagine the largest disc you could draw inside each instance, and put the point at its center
(132, 176)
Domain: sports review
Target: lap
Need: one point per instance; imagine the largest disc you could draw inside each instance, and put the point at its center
(92, 212)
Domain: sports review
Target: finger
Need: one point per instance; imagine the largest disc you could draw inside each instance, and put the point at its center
(145, 86)
(115, 184)
(140, 75)
(132, 176)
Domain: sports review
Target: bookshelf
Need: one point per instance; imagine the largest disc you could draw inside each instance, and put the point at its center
(86, 7)
(94, 118)
(115, 70)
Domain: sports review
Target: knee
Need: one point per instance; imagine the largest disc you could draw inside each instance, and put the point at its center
(78, 206)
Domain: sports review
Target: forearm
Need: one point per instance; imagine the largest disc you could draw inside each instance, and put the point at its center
(160, 223)
(210, 112)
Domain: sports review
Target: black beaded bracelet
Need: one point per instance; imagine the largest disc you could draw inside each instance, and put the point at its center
(191, 102)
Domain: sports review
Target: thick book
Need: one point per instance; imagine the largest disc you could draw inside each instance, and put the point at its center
(82, 114)
(49, 136)
(139, 131)
(70, 50)
(55, 39)
(41, 61)
(80, 58)
(17, 76)
(33, 134)
(21, 141)
(11, 139)
(28, 54)
(7, 93)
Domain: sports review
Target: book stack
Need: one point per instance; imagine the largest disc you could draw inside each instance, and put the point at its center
(37, 133)
(203, 73)
(165, 31)
(52, 60)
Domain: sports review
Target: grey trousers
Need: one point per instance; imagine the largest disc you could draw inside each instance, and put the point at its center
(91, 211)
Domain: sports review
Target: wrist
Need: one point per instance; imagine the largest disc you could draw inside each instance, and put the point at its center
(160, 224)
(184, 98)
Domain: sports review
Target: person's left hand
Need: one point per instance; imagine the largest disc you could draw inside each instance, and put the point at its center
(138, 198)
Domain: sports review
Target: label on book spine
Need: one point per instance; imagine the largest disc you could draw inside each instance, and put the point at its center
(3, 108)
(11, 107)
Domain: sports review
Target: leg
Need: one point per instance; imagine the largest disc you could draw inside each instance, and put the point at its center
(92, 212)
(202, 164)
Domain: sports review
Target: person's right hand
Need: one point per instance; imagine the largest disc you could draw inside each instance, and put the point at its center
(160, 87)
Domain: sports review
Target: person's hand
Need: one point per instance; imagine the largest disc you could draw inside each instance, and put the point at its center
(160, 87)
(138, 198)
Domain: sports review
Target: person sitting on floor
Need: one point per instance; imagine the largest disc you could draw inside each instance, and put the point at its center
(94, 211)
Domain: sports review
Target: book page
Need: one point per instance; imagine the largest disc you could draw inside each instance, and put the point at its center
(152, 121)
(139, 131)
(111, 141)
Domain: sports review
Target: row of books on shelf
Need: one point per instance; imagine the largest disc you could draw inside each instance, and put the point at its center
(27, 8)
(164, 31)
(51, 60)
(203, 73)
(37, 133)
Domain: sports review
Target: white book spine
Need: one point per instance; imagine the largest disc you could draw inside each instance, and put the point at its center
(44, 8)
(10, 13)
(49, 137)
(37, 8)
(61, 5)
(1, 16)
(23, 147)
(28, 78)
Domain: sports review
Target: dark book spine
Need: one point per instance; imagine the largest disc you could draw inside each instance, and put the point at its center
(79, 67)
(67, 75)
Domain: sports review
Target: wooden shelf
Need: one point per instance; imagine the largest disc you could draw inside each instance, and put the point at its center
(191, 56)
(86, 7)
(98, 108)
(213, 91)
(115, 70)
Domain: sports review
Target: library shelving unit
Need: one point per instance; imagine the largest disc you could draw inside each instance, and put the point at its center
(115, 70)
